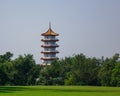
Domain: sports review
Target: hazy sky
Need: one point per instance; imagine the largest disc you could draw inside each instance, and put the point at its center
(91, 27)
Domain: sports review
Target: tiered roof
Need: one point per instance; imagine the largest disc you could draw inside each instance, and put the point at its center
(50, 32)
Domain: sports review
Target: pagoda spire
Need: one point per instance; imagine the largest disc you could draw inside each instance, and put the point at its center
(50, 32)
(49, 25)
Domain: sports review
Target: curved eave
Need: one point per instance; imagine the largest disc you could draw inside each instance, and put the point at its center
(49, 46)
(49, 34)
(49, 58)
(49, 40)
(49, 52)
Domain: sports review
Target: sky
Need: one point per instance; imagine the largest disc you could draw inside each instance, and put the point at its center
(91, 27)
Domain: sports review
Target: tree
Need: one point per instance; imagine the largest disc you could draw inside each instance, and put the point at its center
(24, 66)
(6, 57)
(115, 78)
(106, 70)
(21, 71)
(5, 68)
(3, 76)
(83, 71)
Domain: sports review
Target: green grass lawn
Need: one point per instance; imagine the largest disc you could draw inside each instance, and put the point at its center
(58, 91)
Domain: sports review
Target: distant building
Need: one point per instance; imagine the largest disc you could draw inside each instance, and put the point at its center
(49, 47)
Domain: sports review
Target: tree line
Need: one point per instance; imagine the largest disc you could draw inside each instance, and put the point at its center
(75, 70)
(20, 71)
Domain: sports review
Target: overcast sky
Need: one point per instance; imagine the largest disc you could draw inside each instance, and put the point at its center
(91, 27)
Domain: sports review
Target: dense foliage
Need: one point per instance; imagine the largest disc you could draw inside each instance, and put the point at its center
(21, 71)
(75, 70)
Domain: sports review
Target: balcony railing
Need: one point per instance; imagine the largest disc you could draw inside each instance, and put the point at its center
(50, 45)
(49, 39)
(49, 58)
(48, 52)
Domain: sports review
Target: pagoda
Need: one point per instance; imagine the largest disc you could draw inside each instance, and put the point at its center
(49, 46)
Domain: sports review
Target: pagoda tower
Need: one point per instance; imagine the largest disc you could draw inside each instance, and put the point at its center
(49, 46)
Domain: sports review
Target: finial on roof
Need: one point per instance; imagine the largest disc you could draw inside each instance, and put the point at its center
(50, 25)
(50, 32)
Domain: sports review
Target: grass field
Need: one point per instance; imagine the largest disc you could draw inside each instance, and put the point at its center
(58, 91)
